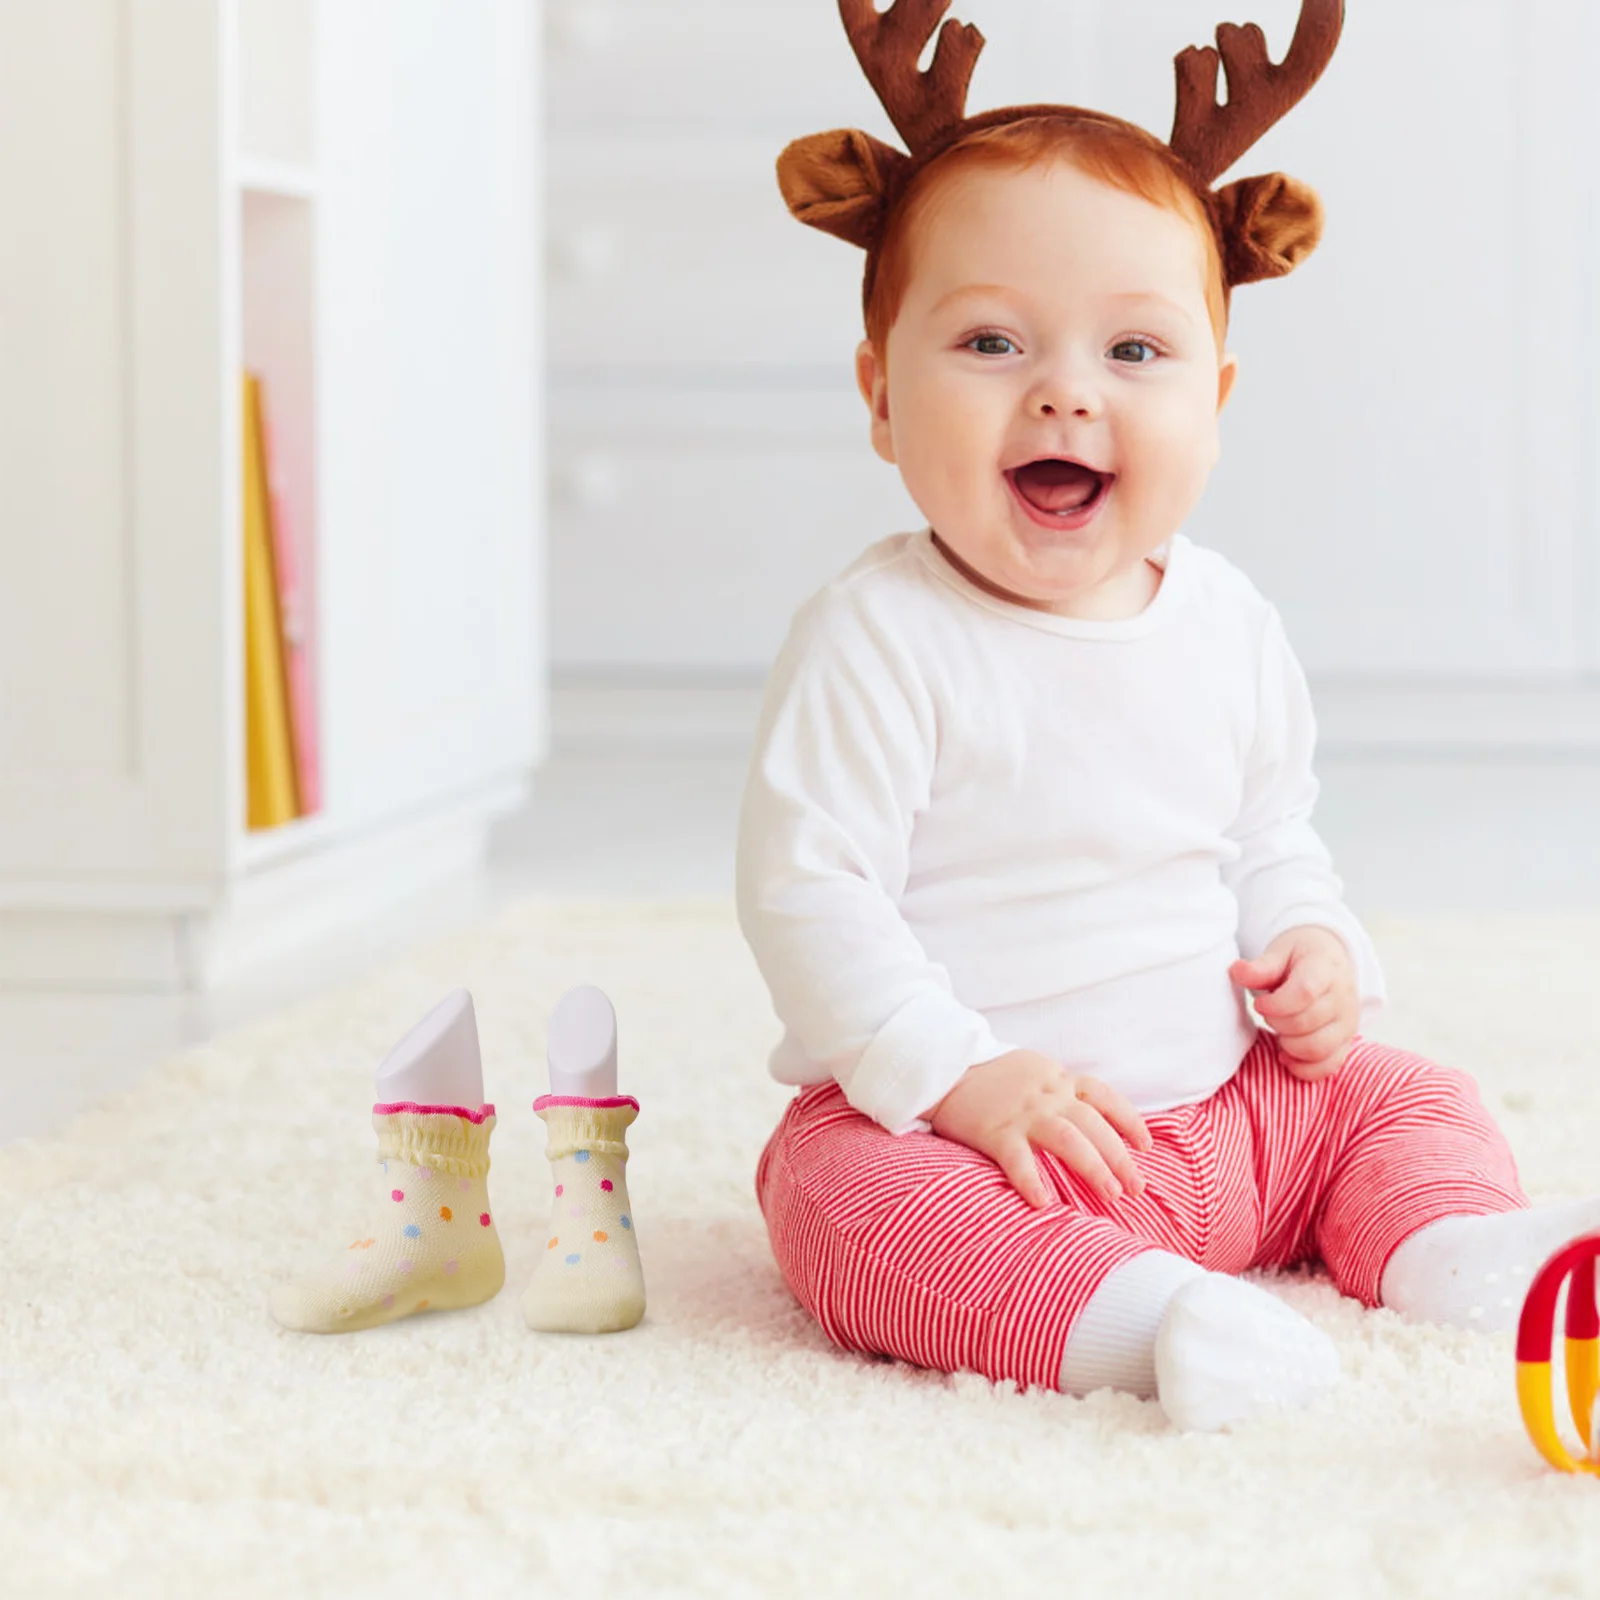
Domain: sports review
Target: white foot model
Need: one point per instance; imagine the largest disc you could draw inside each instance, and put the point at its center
(438, 1062)
(588, 1279)
(581, 1048)
(428, 1240)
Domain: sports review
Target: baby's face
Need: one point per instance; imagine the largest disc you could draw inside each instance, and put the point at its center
(1050, 318)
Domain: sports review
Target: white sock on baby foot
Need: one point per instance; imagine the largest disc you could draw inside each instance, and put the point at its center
(1113, 1341)
(1474, 1272)
(1228, 1350)
(1212, 1349)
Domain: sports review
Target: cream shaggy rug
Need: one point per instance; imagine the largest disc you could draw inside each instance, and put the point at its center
(160, 1435)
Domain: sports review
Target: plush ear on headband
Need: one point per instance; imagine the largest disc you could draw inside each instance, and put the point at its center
(842, 182)
(1270, 225)
(837, 181)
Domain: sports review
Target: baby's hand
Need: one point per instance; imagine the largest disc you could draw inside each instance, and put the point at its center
(1007, 1106)
(1304, 985)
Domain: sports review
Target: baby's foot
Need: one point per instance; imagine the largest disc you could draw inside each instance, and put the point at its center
(1227, 1350)
(1475, 1272)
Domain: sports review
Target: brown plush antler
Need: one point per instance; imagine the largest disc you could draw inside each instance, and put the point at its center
(922, 105)
(1211, 137)
(848, 183)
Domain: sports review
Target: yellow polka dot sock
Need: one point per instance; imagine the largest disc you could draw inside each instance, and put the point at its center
(428, 1244)
(588, 1279)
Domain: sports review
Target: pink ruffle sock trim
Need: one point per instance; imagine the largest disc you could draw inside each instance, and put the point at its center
(610, 1103)
(483, 1111)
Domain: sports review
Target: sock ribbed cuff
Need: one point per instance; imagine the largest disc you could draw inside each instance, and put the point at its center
(445, 1138)
(574, 1123)
(1113, 1343)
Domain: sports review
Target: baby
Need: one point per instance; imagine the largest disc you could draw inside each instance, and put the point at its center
(1028, 813)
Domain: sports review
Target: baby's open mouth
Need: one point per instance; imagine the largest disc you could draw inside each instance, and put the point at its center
(1058, 487)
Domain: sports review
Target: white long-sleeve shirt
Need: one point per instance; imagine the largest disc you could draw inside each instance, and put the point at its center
(970, 827)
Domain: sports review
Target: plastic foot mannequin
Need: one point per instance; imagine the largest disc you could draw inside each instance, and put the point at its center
(588, 1279)
(581, 1045)
(428, 1243)
(438, 1062)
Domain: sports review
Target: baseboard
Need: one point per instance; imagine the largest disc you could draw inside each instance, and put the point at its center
(624, 712)
(157, 941)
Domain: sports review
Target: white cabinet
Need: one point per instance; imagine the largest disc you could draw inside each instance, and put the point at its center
(1406, 466)
(344, 195)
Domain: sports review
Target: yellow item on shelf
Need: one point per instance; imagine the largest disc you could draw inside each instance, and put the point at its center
(269, 744)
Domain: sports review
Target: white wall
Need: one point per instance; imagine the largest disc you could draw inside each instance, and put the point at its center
(1406, 463)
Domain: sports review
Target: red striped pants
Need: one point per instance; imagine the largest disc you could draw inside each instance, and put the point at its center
(917, 1247)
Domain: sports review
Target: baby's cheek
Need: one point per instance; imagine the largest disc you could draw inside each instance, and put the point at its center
(1180, 429)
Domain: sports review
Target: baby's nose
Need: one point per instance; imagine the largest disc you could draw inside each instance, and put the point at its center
(1065, 390)
(1079, 403)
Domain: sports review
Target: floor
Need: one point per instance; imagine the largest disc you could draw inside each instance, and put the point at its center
(1437, 834)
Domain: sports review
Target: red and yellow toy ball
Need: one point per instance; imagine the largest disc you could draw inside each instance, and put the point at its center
(1536, 1335)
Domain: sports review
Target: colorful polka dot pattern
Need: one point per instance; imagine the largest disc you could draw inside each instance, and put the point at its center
(413, 1259)
(588, 1279)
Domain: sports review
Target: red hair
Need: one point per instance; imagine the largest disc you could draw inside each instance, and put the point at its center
(1116, 152)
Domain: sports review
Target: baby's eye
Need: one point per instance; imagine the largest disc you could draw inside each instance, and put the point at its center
(986, 344)
(1136, 360)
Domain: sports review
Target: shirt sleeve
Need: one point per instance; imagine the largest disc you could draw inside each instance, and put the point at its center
(843, 760)
(1283, 877)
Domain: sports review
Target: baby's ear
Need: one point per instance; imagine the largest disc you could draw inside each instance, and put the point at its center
(1271, 225)
(836, 181)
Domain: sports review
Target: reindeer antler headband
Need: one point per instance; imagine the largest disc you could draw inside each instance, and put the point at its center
(847, 183)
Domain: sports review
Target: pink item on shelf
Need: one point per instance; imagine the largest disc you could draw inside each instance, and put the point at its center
(297, 624)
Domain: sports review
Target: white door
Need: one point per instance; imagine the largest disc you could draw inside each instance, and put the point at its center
(115, 436)
(1405, 467)
(1404, 463)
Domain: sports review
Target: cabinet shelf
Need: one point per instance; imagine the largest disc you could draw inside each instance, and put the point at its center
(282, 207)
(286, 179)
(263, 847)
